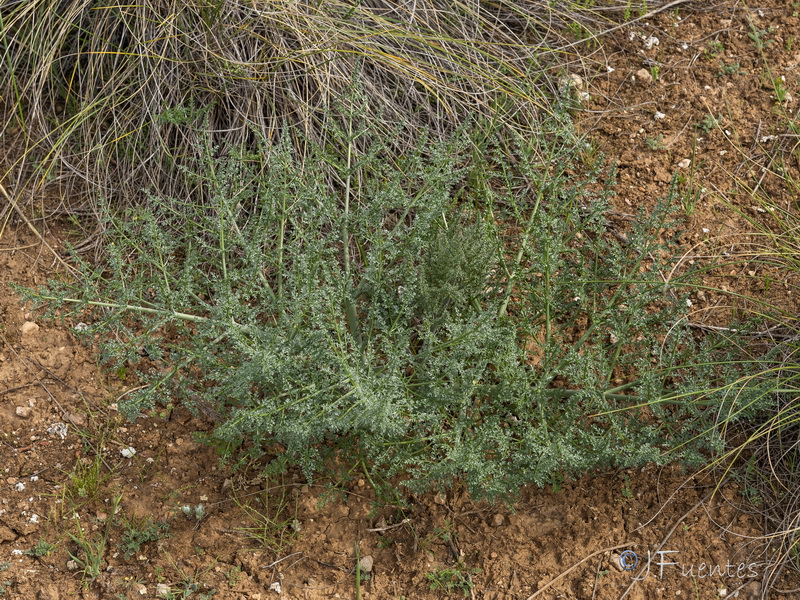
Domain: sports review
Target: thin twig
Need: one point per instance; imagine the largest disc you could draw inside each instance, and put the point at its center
(16, 388)
(388, 527)
(769, 332)
(272, 564)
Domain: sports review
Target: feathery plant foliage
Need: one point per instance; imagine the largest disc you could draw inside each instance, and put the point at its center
(388, 317)
(90, 83)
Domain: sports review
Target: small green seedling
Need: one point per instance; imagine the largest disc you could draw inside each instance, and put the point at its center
(452, 579)
(779, 85)
(728, 68)
(198, 512)
(759, 38)
(655, 143)
(42, 548)
(710, 123)
(714, 49)
(139, 533)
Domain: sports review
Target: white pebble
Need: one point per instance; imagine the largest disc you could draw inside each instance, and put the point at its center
(59, 429)
(29, 327)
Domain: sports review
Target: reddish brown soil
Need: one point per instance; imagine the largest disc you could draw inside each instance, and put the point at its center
(257, 536)
(691, 93)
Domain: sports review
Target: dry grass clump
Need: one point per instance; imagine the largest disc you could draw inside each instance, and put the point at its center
(120, 95)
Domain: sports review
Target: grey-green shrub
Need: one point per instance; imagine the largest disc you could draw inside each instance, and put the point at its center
(385, 316)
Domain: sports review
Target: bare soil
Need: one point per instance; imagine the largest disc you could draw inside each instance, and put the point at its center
(67, 457)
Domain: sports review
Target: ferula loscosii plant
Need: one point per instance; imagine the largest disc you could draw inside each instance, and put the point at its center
(465, 312)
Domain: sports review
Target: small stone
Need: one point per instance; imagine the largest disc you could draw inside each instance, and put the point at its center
(163, 591)
(60, 429)
(29, 327)
(614, 559)
(23, 412)
(684, 164)
(77, 419)
(275, 587)
(576, 81)
(498, 520)
(366, 563)
(570, 83)
(128, 452)
(72, 565)
(651, 41)
(644, 76)
(142, 591)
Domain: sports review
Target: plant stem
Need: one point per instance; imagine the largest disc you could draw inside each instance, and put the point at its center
(133, 307)
(349, 306)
